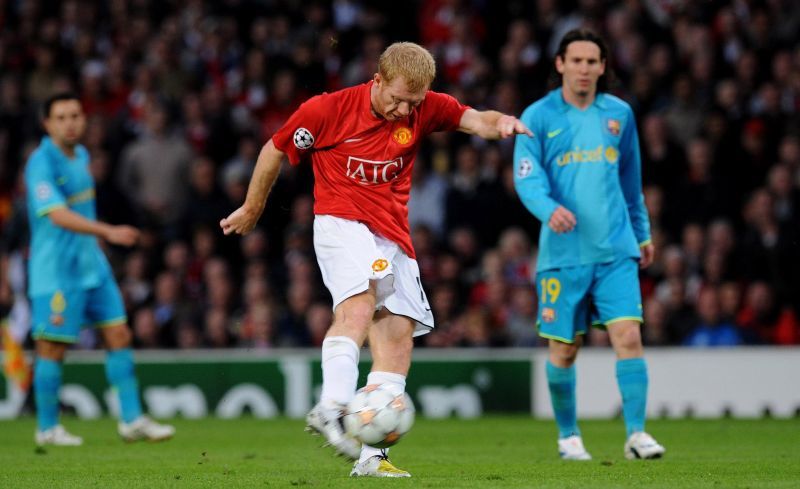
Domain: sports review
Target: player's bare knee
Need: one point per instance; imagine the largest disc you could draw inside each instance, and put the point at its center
(359, 316)
(563, 354)
(627, 339)
(353, 317)
(51, 350)
(117, 337)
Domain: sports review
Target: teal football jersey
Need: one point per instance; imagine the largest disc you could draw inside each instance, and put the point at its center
(61, 259)
(589, 162)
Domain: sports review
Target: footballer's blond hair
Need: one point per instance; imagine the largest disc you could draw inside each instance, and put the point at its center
(410, 61)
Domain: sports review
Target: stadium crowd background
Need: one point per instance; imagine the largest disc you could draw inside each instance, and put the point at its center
(180, 96)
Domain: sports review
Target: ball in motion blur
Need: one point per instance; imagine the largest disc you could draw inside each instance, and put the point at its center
(377, 417)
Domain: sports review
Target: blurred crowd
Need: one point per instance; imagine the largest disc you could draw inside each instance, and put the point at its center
(181, 95)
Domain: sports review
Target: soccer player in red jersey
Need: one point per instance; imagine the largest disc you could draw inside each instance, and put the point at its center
(362, 142)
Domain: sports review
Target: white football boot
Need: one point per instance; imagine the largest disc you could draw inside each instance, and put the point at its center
(57, 436)
(144, 428)
(328, 423)
(571, 448)
(377, 466)
(642, 445)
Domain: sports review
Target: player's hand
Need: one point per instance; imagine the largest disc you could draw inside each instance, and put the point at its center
(241, 221)
(122, 235)
(648, 255)
(508, 125)
(562, 220)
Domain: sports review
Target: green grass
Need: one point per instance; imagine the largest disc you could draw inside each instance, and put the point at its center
(494, 452)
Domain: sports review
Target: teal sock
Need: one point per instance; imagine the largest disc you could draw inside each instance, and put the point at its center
(46, 383)
(632, 380)
(119, 372)
(562, 394)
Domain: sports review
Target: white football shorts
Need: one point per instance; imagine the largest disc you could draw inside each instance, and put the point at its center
(350, 256)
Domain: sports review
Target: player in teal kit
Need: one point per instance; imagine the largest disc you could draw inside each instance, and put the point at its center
(580, 174)
(70, 280)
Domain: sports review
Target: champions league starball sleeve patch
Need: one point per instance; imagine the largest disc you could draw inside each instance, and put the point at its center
(43, 191)
(525, 167)
(303, 139)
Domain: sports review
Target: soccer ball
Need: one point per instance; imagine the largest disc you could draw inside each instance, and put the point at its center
(378, 418)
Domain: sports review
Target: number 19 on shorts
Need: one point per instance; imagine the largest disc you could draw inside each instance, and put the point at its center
(551, 288)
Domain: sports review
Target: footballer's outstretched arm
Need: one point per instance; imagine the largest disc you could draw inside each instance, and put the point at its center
(72, 221)
(490, 124)
(244, 219)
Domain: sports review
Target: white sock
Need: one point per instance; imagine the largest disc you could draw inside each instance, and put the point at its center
(396, 384)
(339, 370)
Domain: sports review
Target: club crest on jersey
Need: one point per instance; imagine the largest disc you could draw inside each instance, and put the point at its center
(402, 135)
(525, 168)
(379, 265)
(548, 314)
(614, 127)
(303, 139)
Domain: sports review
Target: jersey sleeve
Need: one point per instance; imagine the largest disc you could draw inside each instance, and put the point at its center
(530, 178)
(631, 180)
(44, 195)
(307, 129)
(442, 112)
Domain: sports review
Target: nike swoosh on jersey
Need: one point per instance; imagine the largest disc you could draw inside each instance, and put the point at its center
(553, 134)
(352, 140)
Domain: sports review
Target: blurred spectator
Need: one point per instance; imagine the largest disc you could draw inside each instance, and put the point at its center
(764, 320)
(785, 195)
(521, 323)
(257, 327)
(166, 307)
(145, 329)
(318, 320)
(112, 204)
(475, 328)
(188, 335)
(472, 199)
(216, 334)
(768, 249)
(515, 250)
(681, 316)
(134, 285)
(427, 199)
(154, 168)
(654, 330)
(208, 204)
(291, 326)
(662, 162)
(711, 330)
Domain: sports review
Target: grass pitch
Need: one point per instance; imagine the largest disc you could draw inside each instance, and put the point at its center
(493, 452)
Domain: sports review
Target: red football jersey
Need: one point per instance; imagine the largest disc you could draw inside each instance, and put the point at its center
(362, 163)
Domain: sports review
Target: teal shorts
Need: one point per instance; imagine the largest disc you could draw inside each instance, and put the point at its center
(572, 298)
(59, 316)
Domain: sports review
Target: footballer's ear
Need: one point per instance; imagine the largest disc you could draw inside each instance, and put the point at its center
(559, 64)
(377, 79)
